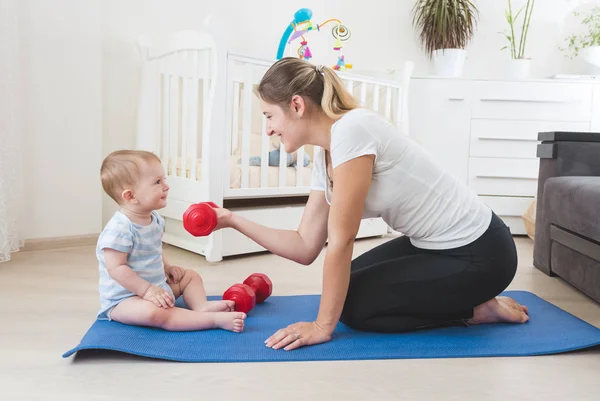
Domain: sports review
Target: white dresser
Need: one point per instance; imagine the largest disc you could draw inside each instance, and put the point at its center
(485, 131)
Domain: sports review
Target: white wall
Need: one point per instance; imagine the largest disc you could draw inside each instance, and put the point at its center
(61, 73)
(382, 38)
(82, 75)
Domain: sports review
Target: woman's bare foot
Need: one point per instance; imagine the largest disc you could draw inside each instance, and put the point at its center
(218, 306)
(232, 321)
(499, 310)
(513, 304)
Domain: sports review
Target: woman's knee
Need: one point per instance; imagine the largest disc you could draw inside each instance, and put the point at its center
(353, 319)
(351, 315)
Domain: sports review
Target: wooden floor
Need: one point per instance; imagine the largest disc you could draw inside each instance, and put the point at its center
(48, 300)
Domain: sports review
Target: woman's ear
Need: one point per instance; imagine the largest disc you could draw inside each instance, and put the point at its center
(297, 106)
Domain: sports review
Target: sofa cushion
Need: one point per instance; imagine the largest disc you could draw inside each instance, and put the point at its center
(573, 203)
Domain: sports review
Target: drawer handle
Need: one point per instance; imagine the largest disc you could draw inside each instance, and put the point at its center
(512, 177)
(527, 100)
(494, 138)
(456, 99)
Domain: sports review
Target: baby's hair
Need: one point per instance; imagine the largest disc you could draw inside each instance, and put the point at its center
(121, 170)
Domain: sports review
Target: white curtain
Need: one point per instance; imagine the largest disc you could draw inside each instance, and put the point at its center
(10, 130)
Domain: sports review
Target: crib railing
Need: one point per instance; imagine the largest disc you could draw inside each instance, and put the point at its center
(244, 74)
(176, 121)
(176, 108)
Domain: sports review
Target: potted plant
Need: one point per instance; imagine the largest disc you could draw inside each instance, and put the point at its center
(588, 45)
(445, 28)
(520, 67)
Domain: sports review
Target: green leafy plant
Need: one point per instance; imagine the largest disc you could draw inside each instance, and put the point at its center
(592, 38)
(517, 52)
(445, 24)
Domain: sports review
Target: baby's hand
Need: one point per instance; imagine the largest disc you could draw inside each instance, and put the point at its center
(174, 274)
(159, 297)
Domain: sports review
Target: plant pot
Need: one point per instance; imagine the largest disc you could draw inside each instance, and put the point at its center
(449, 62)
(591, 58)
(519, 68)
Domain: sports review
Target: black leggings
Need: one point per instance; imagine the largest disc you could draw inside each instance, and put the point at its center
(397, 287)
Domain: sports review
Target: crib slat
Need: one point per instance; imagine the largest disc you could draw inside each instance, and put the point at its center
(264, 155)
(282, 165)
(230, 109)
(164, 152)
(300, 167)
(376, 98)
(185, 123)
(206, 104)
(246, 125)
(388, 102)
(350, 87)
(174, 116)
(192, 150)
(235, 130)
(363, 93)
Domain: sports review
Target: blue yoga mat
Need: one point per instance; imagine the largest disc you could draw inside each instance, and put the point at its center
(550, 330)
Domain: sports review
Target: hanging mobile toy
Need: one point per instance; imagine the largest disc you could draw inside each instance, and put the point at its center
(341, 34)
(301, 25)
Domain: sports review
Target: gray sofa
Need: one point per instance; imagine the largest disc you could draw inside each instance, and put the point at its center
(567, 228)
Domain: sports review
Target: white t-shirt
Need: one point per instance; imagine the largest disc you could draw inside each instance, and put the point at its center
(412, 194)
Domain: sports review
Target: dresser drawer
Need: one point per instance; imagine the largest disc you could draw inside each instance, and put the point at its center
(506, 205)
(510, 209)
(513, 139)
(550, 101)
(505, 177)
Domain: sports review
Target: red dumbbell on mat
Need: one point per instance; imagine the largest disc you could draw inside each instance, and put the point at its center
(200, 219)
(255, 289)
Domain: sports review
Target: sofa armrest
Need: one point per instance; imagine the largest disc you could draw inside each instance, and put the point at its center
(561, 154)
(567, 154)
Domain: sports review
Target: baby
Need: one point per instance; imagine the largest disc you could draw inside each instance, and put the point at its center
(137, 285)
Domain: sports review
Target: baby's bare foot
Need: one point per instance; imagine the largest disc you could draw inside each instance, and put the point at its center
(218, 306)
(499, 310)
(232, 321)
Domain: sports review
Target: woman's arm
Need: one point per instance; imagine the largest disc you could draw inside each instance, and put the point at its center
(352, 181)
(302, 246)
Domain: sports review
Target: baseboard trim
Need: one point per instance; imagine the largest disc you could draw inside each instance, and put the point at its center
(47, 244)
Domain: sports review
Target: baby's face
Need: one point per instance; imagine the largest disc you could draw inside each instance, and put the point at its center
(151, 191)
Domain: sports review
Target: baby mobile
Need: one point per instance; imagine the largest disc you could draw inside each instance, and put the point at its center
(301, 25)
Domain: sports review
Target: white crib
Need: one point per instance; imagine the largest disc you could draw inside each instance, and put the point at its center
(198, 111)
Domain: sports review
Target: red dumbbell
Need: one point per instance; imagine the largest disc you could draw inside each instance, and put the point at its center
(255, 289)
(200, 219)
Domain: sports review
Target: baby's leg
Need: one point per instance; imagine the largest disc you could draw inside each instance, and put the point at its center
(139, 312)
(194, 295)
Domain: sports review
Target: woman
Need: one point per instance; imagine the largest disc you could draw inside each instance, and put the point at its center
(456, 255)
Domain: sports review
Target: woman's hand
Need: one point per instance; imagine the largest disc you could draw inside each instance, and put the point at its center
(224, 217)
(298, 335)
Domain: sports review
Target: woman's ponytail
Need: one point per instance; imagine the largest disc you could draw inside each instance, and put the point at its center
(292, 76)
(336, 100)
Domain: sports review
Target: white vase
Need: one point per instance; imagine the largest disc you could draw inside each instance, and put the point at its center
(449, 62)
(591, 58)
(519, 69)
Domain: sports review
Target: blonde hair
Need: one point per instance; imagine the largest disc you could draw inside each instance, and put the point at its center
(292, 76)
(121, 170)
